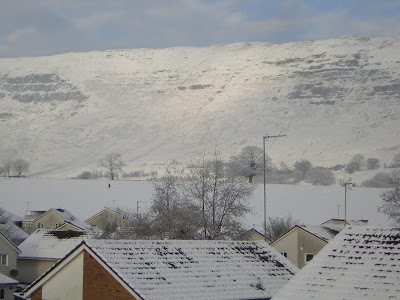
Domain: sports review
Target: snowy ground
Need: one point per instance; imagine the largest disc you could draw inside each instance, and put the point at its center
(84, 198)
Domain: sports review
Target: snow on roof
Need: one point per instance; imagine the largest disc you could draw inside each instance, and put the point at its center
(357, 222)
(196, 269)
(31, 215)
(13, 232)
(5, 280)
(349, 222)
(361, 262)
(70, 218)
(50, 244)
(9, 215)
(324, 232)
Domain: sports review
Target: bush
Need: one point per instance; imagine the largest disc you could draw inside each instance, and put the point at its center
(85, 175)
(382, 180)
(373, 163)
(321, 176)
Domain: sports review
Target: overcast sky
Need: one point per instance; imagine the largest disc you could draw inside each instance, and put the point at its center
(47, 27)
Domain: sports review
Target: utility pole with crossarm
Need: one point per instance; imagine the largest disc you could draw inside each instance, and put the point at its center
(266, 137)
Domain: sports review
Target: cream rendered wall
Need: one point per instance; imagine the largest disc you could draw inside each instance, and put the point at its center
(67, 283)
(106, 217)
(30, 269)
(49, 220)
(308, 243)
(11, 252)
(289, 244)
(67, 227)
(28, 227)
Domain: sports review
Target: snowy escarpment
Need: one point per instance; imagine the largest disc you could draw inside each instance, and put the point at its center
(332, 99)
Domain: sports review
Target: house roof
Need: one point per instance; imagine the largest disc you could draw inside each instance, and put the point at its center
(9, 215)
(349, 222)
(8, 239)
(13, 232)
(68, 217)
(361, 262)
(196, 269)
(50, 244)
(188, 269)
(323, 232)
(5, 280)
(116, 210)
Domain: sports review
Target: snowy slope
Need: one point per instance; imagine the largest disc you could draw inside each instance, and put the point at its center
(332, 99)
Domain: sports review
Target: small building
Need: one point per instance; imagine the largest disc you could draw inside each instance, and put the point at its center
(110, 217)
(302, 243)
(360, 263)
(55, 217)
(137, 269)
(44, 248)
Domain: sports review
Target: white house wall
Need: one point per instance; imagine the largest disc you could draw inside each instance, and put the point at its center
(67, 283)
(9, 250)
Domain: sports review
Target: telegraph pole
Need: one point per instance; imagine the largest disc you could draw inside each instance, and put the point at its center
(347, 184)
(266, 137)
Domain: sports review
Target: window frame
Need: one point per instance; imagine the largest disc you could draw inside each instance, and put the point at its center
(305, 257)
(1, 260)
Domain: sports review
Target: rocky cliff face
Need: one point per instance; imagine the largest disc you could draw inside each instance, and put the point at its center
(332, 99)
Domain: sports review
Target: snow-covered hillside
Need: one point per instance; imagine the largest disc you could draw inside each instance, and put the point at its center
(332, 99)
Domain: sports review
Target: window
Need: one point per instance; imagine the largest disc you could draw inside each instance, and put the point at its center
(39, 225)
(308, 257)
(284, 254)
(2, 294)
(3, 260)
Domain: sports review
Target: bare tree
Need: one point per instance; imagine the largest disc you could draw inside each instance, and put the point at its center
(357, 163)
(7, 166)
(396, 161)
(113, 163)
(276, 226)
(220, 200)
(20, 166)
(321, 176)
(249, 163)
(373, 163)
(173, 216)
(391, 203)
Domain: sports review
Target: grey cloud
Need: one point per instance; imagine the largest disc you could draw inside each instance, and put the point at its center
(44, 27)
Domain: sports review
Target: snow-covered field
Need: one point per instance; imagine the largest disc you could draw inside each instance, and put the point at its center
(84, 198)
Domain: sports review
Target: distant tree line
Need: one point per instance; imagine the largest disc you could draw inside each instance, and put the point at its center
(248, 165)
(14, 167)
